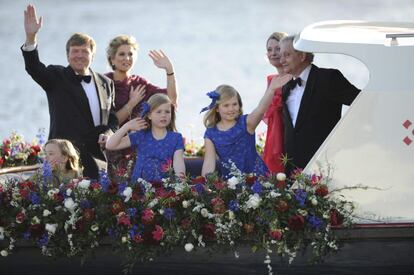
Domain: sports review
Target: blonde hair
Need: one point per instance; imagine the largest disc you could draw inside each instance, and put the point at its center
(118, 41)
(212, 117)
(157, 100)
(68, 150)
(276, 36)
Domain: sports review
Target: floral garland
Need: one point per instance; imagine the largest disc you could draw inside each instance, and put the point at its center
(145, 219)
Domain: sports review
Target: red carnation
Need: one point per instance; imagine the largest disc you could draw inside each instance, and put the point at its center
(24, 193)
(158, 233)
(219, 185)
(20, 217)
(276, 234)
(250, 180)
(296, 222)
(208, 231)
(199, 179)
(124, 219)
(147, 216)
(322, 191)
(95, 186)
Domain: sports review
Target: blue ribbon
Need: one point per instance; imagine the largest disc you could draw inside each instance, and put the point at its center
(214, 97)
(145, 108)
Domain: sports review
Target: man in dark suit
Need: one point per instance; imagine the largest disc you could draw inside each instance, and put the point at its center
(80, 100)
(312, 101)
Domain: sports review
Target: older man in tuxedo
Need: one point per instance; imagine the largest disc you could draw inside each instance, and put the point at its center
(80, 100)
(312, 101)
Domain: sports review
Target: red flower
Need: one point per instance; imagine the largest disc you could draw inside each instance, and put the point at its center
(208, 231)
(336, 218)
(158, 233)
(137, 238)
(219, 185)
(36, 230)
(322, 191)
(282, 206)
(281, 184)
(276, 234)
(121, 171)
(1, 162)
(250, 180)
(124, 219)
(95, 186)
(24, 193)
(88, 214)
(185, 223)
(58, 197)
(315, 179)
(20, 217)
(296, 222)
(218, 206)
(35, 150)
(199, 179)
(147, 216)
(117, 207)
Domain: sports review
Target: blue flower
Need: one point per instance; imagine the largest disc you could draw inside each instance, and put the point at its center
(84, 204)
(169, 213)
(214, 97)
(121, 187)
(234, 205)
(26, 235)
(199, 188)
(145, 108)
(34, 198)
(47, 171)
(315, 222)
(132, 212)
(300, 196)
(41, 136)
(104, 179)
(257, 187)
(44, 240)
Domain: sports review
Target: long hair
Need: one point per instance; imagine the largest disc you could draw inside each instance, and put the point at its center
(68, 150)
(154, 102)
(212, 117)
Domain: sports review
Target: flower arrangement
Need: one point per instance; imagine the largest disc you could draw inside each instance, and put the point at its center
(14, 151)
(145, 219)
(192, 149)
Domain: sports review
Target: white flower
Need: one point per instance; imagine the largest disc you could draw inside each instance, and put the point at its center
(204, 212)
(124, 239)
(51, 227)
(314, 201)
(267, 184)
(84, 184)
(94, 227)
(70, 204)
(35, 220)
(4, 253)
(232, 182)
(127, 193)
(303, 212)
(231, 215)
(51, 193)
(68, 192)
(186, 204)
(161, 211)
(281, 176)
(254, 201)
(274, 194)
(46, 213)
(152, 203)
(188, 247)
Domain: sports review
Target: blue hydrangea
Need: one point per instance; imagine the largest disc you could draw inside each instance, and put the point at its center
(26, 235)
(104, 179)
(300, 196)
(169, 213)
(132, 212)
(44, 240)
(34, 198)
(199, 188)
(234, 205)
(315, 222)
(257, 187)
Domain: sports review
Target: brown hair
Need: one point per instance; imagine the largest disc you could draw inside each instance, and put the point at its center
(116, 42)
(68, 150)
(79, 39)
(154, 102)
(291, 38)
(212, 117)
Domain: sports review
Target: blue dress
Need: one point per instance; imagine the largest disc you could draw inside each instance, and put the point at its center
(239, 146)
(153, 154)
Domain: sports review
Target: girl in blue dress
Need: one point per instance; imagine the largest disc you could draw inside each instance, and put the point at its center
(230, 135)
(157, 147)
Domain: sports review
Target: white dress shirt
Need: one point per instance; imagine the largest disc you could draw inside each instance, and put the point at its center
(296, 94)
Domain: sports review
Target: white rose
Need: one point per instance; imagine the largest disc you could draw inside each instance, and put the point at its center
(84, 184)
(68, 192)
(254, 201)
(4, 253)
(267, 184)
(186, 204)
(127, 193)
(274, 194)
(204, 212)
(232, 182)
(281, 176)
(51, 193)
(314, 201)
(188, 247)
(231, 215)
(46, 213)
(51, 227)
(124, 239)
(303, 212)
(70, 204)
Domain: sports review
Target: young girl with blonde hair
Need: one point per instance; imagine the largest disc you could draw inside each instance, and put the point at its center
(230, 135)
(154, 137)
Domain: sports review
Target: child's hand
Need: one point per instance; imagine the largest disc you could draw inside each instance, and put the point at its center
(279, 81)
(136, 124)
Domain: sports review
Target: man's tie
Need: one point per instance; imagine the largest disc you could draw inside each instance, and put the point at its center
(293, 82)
(86, 78)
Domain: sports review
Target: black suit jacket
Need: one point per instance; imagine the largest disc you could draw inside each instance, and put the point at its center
(70, 114)
(320, 109)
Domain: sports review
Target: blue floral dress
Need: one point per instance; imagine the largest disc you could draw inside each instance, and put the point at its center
(236, 145)
(152, 154)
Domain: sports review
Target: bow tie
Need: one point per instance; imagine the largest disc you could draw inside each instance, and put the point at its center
(293, 82)
(86, 78)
